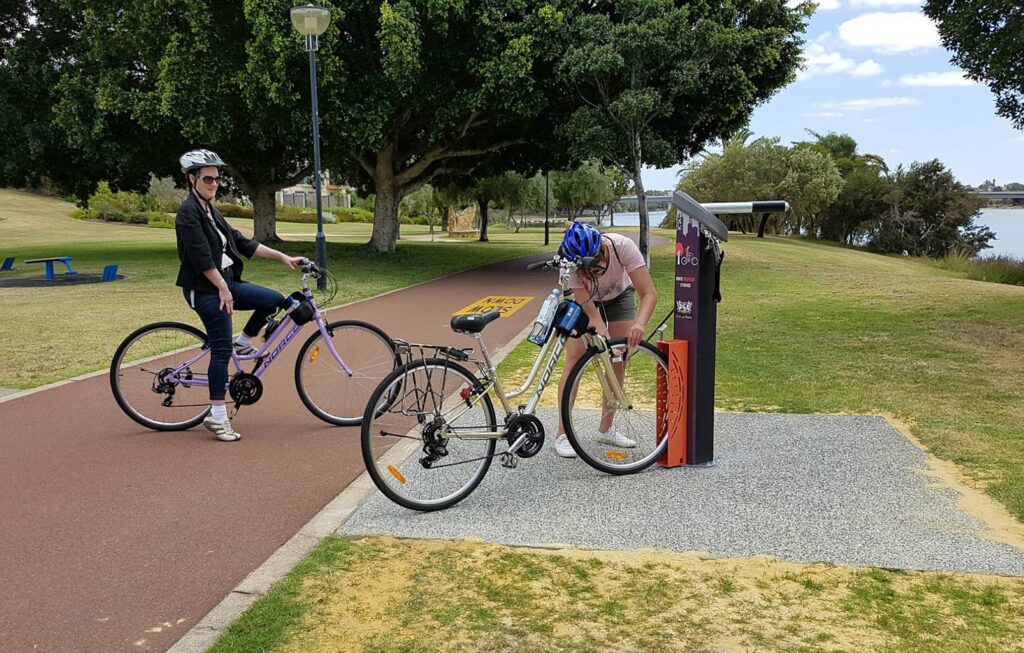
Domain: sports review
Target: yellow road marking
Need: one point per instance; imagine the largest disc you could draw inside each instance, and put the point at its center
(506, 305)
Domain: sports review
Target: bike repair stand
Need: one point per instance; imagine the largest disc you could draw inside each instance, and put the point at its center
(687, 391)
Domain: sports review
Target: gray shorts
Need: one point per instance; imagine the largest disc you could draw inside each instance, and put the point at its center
(621, 308)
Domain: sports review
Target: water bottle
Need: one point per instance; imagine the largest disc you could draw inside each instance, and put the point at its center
(542, 325)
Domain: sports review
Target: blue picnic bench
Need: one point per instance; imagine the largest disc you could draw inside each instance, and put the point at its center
(66, 260)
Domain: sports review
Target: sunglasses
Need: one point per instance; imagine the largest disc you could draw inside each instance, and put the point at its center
(209, 179)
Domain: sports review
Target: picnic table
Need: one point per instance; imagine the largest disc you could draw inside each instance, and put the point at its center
(49, 264)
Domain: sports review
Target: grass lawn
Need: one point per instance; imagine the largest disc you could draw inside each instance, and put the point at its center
(66, 331)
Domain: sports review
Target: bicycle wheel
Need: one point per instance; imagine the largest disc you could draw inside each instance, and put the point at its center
(630, 439)
(150, 376)
(411, 434)
(324, 387)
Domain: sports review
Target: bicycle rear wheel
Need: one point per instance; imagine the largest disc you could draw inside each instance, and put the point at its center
(612, 436)
(324, 387)
(411, 434)
(151, 372)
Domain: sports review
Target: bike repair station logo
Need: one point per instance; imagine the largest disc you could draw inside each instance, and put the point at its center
(684, 256)
(684, 308)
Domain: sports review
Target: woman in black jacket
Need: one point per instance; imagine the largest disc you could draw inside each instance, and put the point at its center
(210, 276)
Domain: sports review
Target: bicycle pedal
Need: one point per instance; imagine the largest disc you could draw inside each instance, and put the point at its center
(509, 461)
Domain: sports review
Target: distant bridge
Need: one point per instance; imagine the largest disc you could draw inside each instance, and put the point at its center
(655, 202)
(1012, 197)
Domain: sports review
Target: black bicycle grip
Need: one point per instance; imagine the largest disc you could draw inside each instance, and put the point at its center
(538, 265)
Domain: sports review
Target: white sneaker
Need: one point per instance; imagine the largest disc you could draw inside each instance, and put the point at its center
(563, 448)
(615, 439)
(244, 350)
(222, 430)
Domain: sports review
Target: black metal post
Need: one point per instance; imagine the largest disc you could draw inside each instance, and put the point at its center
(547, 226)
(321, 241)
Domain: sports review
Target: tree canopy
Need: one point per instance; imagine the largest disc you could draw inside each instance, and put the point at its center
(659, 80)
(985, 37)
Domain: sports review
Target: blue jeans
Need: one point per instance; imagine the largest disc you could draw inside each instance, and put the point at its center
(248, 297)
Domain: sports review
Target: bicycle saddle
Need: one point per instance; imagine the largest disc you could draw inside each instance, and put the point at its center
(473, 323)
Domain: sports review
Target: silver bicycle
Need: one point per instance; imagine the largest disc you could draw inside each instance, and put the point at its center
(429, 432)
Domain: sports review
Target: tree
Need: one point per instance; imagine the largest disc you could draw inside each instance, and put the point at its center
(930, 214)
(580, 188)
(621, 184)
(425, 86)
(764, 169)
(660, 79)
(985, 39)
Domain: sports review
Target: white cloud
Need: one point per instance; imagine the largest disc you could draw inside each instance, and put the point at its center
(868, 121)
(866, 104)
(819, 58)
(886, 3)
(822, 114)
(890, 33)
(949, 78)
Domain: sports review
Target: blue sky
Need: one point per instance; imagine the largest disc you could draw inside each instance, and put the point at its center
(874, 69)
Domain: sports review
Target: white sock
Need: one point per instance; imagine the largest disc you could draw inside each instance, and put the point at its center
(219, 412)
(244, 340)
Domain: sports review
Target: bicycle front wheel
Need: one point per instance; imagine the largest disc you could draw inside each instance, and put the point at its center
(617, 434)
(153, 372)
(327, 390)
(424, 435)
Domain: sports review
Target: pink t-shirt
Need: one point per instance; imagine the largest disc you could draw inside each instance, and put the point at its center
(616, 279)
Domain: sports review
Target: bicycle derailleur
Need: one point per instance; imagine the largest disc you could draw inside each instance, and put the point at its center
(522, 426)
(435, 445)
(245, 389)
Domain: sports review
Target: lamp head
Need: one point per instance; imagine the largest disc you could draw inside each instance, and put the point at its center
(310, 20)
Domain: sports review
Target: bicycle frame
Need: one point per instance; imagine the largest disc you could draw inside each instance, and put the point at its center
(553, 347)
(282, 335)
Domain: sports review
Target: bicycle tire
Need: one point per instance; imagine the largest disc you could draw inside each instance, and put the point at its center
(370, 356)
(578, 420)
(394, 469)
(132, 406)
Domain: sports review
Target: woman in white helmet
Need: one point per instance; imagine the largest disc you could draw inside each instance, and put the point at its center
(210, 276)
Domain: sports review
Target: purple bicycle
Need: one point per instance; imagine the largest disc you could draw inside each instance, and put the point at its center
(158, 374)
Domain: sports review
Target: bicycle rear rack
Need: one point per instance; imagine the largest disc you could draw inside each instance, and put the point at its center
(413, 351)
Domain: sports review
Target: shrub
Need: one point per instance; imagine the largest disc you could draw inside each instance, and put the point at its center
(997, 269)
(235, 211)
(353, 215)
(84, 214)
(160, 221)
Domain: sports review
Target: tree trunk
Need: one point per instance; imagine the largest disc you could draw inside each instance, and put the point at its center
(645, 226)
(611, 215)
(264, 220)
(483, 201)
(385, 216)
(764, 223)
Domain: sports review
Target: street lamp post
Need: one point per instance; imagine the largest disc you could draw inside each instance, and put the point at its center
(311, 21)
(547, 226)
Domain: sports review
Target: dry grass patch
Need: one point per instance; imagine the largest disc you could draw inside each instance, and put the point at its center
(380, 594)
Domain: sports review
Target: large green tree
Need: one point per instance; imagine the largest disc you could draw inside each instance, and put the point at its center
(986, 38)
(660, 79)
(425, 87)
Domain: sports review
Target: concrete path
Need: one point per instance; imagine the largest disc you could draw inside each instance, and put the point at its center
(841, 489)
(116, 538)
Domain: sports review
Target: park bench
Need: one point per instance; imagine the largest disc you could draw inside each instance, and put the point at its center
(8, 264)
(49, 264)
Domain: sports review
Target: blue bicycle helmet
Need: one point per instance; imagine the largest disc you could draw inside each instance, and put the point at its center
(580, 240)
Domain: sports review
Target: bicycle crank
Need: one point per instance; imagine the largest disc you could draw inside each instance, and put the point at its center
(528, 427)
(245, 389)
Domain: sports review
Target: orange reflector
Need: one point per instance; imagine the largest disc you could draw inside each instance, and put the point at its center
(617, 455)
(316, 352)
(397, 474)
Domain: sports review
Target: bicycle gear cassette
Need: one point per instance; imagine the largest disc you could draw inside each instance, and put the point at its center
(245, 389)
(532, 428)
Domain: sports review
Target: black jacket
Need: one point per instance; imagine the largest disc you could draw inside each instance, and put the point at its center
(199, 246)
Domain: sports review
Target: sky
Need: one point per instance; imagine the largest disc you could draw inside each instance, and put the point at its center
(874, 69)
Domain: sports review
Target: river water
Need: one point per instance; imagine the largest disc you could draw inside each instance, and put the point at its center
(1008, 225)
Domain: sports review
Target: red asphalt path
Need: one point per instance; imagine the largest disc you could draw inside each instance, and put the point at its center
(117, 538)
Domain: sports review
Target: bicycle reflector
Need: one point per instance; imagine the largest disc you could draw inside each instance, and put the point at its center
(397, 474)
(465, 394)
(316, 352)
(616, 455)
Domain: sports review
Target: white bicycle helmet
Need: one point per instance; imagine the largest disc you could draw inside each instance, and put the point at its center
(195, 159)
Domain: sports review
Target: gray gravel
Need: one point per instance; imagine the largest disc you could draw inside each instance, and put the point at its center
(807, 488)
